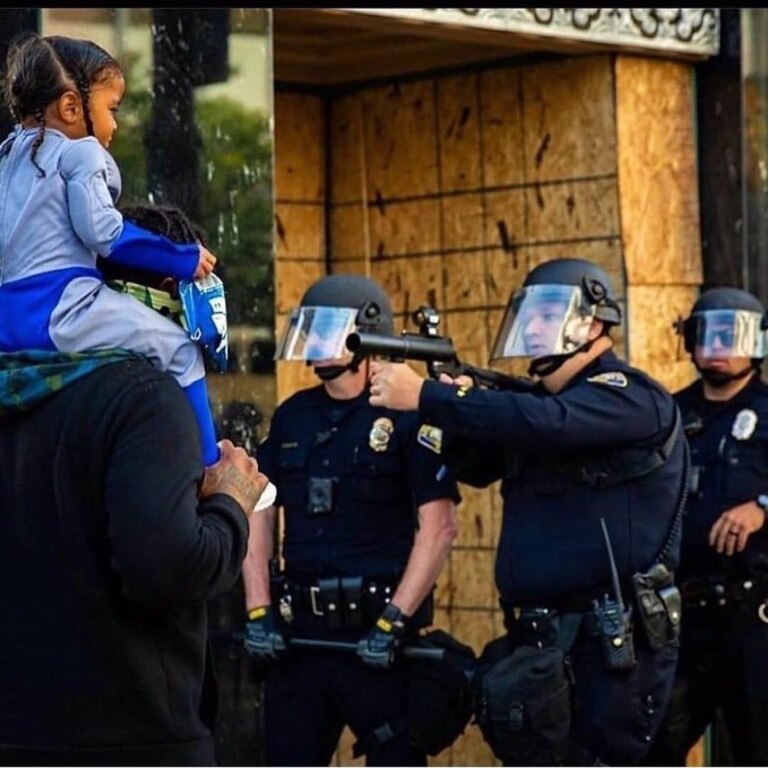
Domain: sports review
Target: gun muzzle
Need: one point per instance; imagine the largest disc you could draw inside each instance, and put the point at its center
(409, 346)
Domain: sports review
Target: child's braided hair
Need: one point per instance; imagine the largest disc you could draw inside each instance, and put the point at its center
(40, 69)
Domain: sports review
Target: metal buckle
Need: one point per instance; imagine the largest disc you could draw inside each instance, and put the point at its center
(313, 593)
(285, 608)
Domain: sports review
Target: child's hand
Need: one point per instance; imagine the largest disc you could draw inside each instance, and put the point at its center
(206, 264)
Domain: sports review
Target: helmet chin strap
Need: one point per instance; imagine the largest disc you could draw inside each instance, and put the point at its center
(544, 366)
(718, 379)
(548, 364)
(331, 372)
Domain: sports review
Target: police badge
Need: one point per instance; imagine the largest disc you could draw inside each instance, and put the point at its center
(381, 431)
(744, 424)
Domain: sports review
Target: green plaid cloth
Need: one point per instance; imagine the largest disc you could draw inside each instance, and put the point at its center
(28, 377)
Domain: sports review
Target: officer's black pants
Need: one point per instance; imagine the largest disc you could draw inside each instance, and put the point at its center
(723, 663)
(311, 695)
(618, 712)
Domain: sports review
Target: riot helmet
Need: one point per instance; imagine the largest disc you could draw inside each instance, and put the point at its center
(549, 318)
(331, 309)
(725, 323)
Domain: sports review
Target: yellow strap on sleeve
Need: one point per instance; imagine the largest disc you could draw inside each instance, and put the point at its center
(257, 613)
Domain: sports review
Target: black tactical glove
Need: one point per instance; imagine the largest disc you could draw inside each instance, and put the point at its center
(263, 639)
(379, 646)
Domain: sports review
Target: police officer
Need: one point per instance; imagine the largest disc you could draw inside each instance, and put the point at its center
(367, 530)
(724, 559)
(594, 440)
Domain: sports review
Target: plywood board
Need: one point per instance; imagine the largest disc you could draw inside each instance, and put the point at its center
(299, 231)
(572, 211)
(474, 517)
(654, 346)
(346, 131)
(299, 147)
(473, 584)
(465, 280)
(463, 221)
(469, 331)
(505, 274)
(471, 749)
(568, 119)
(401, 154)
(503, 150)
(292, 278)
(405, 228)
(458, 110)
(411, 282)
(658, 182)
(348, 234)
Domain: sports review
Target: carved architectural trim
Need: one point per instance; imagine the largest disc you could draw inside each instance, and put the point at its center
(674, 31)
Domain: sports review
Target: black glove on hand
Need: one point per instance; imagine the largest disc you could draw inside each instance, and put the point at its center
(263, 640)
(379, 646)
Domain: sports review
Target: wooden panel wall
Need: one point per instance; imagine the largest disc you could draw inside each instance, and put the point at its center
(300, 215)
(658, 186)
(448, 189)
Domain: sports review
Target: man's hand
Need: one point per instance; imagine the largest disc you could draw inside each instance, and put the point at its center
(459, 381)
(395, 385)
(731, 530)
(236, 474)
(263, 640)
(379, 646)
(205, 264)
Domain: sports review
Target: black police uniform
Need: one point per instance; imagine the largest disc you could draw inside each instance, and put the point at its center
(724, 642)
(351, 478)
(606, 446)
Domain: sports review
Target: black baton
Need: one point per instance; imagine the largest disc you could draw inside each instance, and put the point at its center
(408, 651)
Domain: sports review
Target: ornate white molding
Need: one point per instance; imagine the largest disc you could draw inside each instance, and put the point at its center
(674, 31)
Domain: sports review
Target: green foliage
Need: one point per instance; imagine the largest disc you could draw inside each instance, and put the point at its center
(237, 205)
(235, 193)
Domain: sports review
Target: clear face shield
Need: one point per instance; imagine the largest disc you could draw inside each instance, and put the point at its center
(544, 320)
(316, 333)
(729, 333)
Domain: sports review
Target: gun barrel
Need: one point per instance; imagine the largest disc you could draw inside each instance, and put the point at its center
(409, 346)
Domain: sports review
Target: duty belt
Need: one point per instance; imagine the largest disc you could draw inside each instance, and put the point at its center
(333, 595)
(717, 592)
(341, 602)
(542, 627)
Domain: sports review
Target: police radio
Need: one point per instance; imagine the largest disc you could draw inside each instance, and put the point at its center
(614, 620)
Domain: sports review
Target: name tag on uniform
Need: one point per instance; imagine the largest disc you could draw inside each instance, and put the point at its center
(430, 437)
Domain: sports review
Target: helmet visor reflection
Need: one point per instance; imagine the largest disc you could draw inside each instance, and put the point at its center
(544, 320)
(316, 333)
(730, 333)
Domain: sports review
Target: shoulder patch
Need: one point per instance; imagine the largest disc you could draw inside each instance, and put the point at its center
(611, 379)
(430, 437)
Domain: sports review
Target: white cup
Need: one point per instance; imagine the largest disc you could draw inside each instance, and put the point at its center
(267, 498)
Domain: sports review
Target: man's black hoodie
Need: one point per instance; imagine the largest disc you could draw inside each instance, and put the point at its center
(107, 560)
